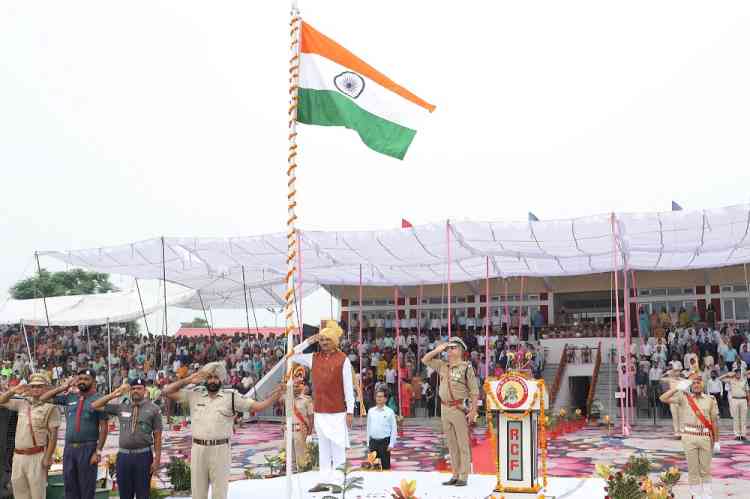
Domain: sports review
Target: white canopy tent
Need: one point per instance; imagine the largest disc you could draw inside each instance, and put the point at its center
(424, 254)
(89, 310)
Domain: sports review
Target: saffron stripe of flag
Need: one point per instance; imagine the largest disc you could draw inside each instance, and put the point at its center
(336, 88)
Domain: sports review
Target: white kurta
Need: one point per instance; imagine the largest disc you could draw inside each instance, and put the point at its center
(331, 426)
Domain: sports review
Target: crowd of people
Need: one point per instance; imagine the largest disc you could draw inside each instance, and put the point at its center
(62, 352)
(375, 358)
(712, 353)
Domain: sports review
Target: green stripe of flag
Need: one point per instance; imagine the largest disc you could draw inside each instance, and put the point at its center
(330, 108)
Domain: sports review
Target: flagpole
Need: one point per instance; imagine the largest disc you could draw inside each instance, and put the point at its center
(291, 257)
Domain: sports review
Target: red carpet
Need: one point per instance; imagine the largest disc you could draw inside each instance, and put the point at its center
(481, 455)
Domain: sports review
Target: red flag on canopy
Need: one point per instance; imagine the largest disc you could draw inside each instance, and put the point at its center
(405, 224)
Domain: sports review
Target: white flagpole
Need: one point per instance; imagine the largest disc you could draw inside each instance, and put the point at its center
(292, 239)
(109, 357)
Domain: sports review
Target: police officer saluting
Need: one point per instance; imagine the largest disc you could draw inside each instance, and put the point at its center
(458, 382)
(738, 402)
(212, 413)
(140, 429)
(699, 416)
(85, 434)
(36, 437)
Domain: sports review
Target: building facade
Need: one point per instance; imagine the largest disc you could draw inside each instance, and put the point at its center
(558, 300)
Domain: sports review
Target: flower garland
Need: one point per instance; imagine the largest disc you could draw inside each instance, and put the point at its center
(543, 434)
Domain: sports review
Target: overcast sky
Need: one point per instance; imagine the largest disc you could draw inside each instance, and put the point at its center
(121, 121)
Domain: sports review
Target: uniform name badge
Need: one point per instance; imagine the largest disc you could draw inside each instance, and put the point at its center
(126, 414)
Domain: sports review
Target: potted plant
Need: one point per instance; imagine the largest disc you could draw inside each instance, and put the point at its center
(178, 471)
(405, 490)
(348, 484)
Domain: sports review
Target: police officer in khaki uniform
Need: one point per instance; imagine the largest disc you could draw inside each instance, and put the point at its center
(212, 413)
(302, 418)
(458, 382)
(738, 401)
(36, 437)
(672, 379)
(699, 415)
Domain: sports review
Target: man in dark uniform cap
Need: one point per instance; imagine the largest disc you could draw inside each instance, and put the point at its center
(458, 383)
(85, 434)
(140, 429)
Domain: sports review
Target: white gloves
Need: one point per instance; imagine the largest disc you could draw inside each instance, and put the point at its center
(717, 448)
(308, 439)
(684, 385)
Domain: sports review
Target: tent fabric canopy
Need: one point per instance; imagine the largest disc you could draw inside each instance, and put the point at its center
(89, 310)
(656, 241)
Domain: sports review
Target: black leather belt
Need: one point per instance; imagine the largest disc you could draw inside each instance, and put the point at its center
(221, 441)
(77, 445)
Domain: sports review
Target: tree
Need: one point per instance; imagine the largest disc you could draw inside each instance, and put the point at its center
(69, 282)
(198, 322)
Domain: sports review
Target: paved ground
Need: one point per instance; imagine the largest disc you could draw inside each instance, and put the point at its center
(422, 448)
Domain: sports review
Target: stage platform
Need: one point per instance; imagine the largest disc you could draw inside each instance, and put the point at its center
(379, 485)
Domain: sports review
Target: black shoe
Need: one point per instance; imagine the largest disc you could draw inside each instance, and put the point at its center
(319, 488)
(460, 483)
(452, 481)
(743, 439)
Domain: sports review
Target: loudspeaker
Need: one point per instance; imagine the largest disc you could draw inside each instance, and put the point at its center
(8, 421)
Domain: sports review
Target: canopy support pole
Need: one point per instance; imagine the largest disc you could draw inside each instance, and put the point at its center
(627, 334)
(637, 306)
(361, 320)
(143, 310)
(398, 351)
(44, 301)
(448, 245)
(164, 281)
(28, 348)
(486, 319)
(88, 338)
(507, 308)
(205, 316)
(109, 357)
(747, 290)
(620, 355)
(419, 324)
(247, 310)
(520, 309)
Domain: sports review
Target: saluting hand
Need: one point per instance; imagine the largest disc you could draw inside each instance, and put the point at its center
(278, 392)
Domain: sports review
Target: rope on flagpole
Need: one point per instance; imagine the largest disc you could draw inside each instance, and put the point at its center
(291, 232)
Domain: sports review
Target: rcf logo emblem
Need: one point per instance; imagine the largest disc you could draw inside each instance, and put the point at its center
(512, 392)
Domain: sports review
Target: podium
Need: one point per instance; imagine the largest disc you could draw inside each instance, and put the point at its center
(515, 411)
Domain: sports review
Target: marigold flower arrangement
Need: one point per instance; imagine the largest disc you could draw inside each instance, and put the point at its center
(633, 483)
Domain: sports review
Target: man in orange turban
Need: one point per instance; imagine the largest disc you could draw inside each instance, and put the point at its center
(333, 399)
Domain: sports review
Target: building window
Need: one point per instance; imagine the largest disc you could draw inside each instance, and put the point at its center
(735, 309)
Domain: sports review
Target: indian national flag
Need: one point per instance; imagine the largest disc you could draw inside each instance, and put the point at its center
(337, 88)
